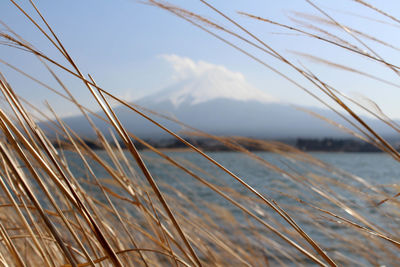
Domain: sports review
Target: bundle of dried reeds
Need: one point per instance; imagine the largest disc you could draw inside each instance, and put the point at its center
(57, 209)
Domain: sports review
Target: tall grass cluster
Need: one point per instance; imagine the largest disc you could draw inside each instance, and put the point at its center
(52, 216)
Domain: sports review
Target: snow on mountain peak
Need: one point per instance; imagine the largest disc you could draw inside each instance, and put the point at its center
(198, 82)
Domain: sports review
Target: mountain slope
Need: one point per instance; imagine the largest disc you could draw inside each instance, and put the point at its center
(220, 101)
(211, 106)
(200, 89)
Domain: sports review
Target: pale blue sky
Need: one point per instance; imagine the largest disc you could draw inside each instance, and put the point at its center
(121, 44)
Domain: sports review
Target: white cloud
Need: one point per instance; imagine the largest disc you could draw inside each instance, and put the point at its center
(200, 81)
(185, 67)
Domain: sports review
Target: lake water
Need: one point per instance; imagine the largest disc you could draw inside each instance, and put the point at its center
(354, 184)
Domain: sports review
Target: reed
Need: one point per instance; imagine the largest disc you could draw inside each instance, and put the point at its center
(58, 209)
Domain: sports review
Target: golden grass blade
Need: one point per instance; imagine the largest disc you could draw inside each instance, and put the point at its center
(70, 193)
(364, 3)
(32, 197)
(350, 32)
(341, 43)
(25, 222)
(164, 237)
(11, 247)
(101, 187)
(131, 250)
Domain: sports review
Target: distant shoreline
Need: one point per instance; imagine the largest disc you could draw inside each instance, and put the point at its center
(306, 145)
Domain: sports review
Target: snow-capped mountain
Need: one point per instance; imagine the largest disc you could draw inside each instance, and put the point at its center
(203, 89)
(220, 107)
(219, 101)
